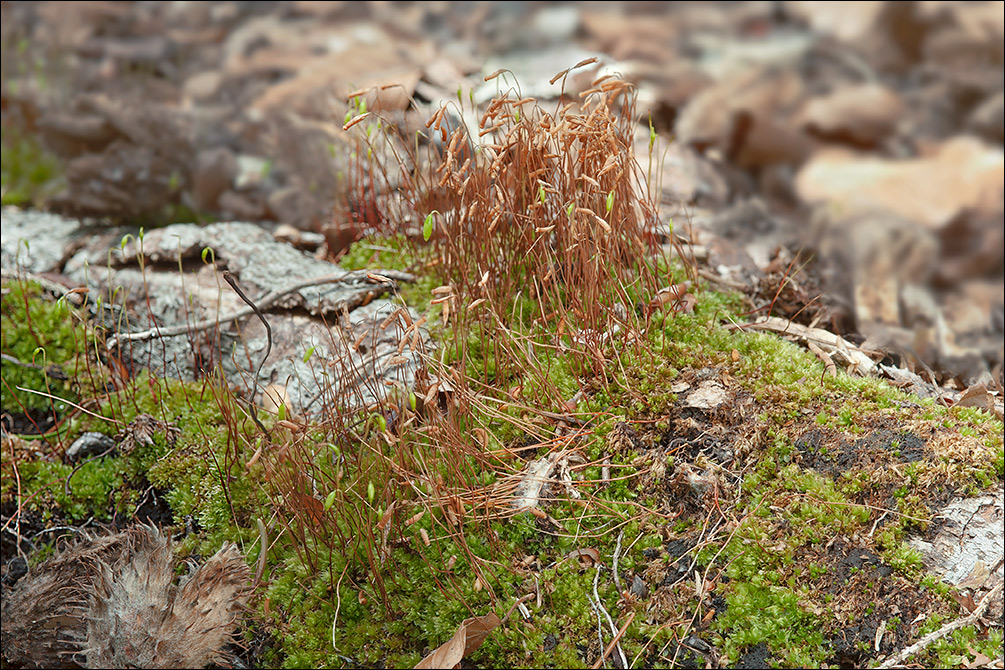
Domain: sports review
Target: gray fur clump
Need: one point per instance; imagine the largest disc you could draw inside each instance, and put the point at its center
(113, 602)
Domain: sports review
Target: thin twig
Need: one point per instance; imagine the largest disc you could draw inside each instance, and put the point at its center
(610, 621)
(264, 303)
(617, 638)
(614, 566)
(262, 556)
(901, 656)
(229, 278)
(521, 600)
(600, 625)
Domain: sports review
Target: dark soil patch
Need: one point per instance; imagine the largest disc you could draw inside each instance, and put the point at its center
(32, 422)
(756, 657)
(857, 594)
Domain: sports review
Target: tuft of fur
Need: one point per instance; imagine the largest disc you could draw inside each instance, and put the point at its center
(43, 615)
(113, 602)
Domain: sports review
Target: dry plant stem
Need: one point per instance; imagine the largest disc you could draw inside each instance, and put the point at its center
(614, 562)
(15, 361)
(72, 404)
(258, 312)
(522, 599)
(610, 621)
(264, 303)
(612, 643)
(920, 645)
(262, 556)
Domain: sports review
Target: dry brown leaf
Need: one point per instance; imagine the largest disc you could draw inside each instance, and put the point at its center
(862, 114)
(469, 636)
(589, 554)
(976, 396)
(980, 660)
(965, 601)
(963, 173)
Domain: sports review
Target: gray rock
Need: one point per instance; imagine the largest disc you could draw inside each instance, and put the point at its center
(34, 241)
(89, 444)
(639, 588)
(967, 550)
(172, 278)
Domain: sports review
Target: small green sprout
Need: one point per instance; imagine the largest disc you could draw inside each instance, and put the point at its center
(427, 226)
(330, 500)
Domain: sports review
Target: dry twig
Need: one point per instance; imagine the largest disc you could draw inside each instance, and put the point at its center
(263, 304)
(923, 643)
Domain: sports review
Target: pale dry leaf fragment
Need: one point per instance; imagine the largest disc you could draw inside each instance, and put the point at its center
(535, 477)
(880, 632)
(274, 397)
(469, 636)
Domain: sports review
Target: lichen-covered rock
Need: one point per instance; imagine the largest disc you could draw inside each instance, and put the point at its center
(330, 337)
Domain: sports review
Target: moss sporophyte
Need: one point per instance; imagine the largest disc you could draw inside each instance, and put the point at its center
(693, 533)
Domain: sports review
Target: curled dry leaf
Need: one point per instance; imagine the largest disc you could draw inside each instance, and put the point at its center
(469, 636)
(977, 396)
(588, 556)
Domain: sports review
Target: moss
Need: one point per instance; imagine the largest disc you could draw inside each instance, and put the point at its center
(340, 593)
(47, 338)
(28, 173)
(95, 490)
(770, 615)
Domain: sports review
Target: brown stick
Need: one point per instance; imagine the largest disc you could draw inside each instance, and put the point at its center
(617, 638)
(904, 654)
(263, 304)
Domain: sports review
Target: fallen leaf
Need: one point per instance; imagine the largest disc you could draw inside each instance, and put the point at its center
(976, 396)
(965, 601)
(862, 114)
(963, 173)
(469, 636)
(980, 660)
(589, 553)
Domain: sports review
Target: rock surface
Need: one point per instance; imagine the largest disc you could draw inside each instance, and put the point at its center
(172, 277)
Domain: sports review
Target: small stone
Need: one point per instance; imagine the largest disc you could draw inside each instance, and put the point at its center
(89, 444)
(639, 588)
